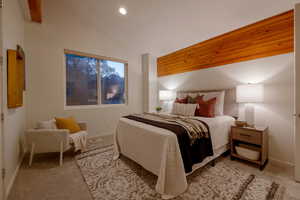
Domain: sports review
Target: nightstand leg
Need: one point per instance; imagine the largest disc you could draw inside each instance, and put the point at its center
(264, 165)
(213, 163)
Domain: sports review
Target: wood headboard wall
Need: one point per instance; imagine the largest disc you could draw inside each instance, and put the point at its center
(269, 37)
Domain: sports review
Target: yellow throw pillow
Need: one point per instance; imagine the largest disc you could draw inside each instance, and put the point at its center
(67, 123)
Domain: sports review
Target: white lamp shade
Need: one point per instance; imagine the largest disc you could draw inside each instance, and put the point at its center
(166, 95)
(250, 93)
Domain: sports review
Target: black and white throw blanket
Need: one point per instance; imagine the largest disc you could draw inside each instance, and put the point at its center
(192, 134)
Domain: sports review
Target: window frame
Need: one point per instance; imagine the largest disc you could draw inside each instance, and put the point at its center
(99, 105)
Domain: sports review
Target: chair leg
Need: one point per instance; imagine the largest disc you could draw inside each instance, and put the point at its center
(31, 154)
(61, 153)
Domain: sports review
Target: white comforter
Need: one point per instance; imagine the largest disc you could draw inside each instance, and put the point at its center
(157, 150)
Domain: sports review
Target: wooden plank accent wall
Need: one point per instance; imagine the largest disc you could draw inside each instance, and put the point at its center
(35, 7)
(269, 37)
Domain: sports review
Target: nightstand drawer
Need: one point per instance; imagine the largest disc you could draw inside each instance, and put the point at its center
(249, 136)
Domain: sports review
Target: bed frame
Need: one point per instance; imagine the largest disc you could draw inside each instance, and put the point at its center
(179, 183)
(230, 108)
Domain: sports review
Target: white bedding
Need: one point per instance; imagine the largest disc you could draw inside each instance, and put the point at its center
(219, 129)
(157, 150)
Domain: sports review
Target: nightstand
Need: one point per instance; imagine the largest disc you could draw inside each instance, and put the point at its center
(250, 138)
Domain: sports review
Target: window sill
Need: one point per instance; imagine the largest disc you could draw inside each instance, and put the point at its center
(88, 107)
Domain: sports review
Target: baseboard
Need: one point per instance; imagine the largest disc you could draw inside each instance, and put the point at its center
(12, 180)
(281, 163)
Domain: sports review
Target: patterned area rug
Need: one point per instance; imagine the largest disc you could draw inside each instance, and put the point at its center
(124, 179)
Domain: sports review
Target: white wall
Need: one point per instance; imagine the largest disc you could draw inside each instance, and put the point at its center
(276, 73)
(45, 44)
(150, 96)
(14, 124)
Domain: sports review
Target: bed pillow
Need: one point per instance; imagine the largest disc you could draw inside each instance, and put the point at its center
(50, 124)
(206, 108)
(181, 100)
(192, 100)
(67, 123)
(219, 106)
(184, 109)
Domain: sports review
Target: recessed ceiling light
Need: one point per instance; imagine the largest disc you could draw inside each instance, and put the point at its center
(122, 10)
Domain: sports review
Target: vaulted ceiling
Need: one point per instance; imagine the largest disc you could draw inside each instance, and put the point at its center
(163, 26)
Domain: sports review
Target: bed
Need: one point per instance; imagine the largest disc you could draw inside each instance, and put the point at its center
(157, 149)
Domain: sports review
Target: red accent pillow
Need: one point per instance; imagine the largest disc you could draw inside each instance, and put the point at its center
(205, 108)
(184, 100)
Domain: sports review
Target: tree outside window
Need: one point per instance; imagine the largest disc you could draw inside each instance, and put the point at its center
(94, 81)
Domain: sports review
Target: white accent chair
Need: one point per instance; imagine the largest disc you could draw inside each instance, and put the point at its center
(53, 140)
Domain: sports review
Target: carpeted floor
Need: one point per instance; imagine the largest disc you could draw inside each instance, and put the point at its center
(124, 179)
(45, 180)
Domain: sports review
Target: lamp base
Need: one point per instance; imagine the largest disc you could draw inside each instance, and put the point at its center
(249, 115)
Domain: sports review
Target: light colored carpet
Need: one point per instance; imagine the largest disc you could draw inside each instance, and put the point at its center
(46, 180)
(124, 179)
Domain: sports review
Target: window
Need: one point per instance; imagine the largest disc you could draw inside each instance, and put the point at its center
(94, 80)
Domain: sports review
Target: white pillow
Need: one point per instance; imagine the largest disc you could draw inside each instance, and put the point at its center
(219, 107)
(184, 109)
(50, 124)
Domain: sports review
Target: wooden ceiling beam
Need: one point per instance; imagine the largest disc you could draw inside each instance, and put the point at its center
(35, 7)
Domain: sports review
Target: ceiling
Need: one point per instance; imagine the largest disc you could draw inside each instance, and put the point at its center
(163, 26)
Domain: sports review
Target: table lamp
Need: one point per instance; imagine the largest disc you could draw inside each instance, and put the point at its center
(166, 96)
(250, 93)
